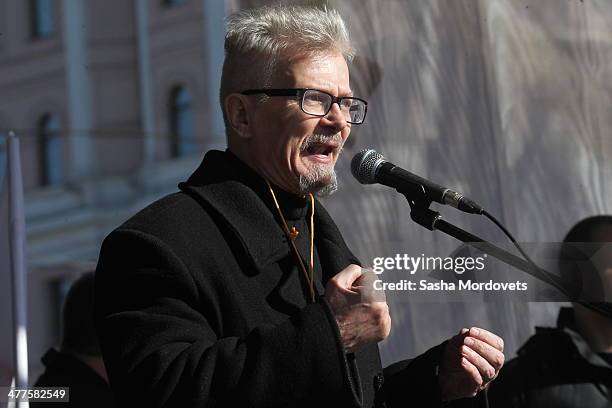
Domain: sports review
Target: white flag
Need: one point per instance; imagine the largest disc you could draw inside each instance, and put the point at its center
(12, 260)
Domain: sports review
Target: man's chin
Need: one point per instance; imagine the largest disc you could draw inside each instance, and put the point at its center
(319, 175)
(328, 190)
(319, 180)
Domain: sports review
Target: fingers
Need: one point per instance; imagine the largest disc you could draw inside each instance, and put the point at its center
(347, 276)
(483, 350)
(472, 380)
(472, 358)
(486, 370)
(487, 337)
(367, 289)
(474, 346)
(493, 356)
(457, 340)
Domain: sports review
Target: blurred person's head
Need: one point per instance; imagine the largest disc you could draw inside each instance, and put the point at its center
(79, 335)
(586, 260)
(290, 137)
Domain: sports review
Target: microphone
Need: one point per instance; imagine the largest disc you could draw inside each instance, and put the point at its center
(369, 167)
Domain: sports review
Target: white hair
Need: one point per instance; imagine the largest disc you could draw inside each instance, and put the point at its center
(257, 40)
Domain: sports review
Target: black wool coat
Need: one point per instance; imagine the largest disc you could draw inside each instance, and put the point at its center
(199, 304)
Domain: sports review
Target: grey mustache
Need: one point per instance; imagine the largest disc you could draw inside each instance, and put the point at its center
(318, 138)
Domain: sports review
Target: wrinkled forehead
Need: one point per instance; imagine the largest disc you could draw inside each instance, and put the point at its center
(325, 70)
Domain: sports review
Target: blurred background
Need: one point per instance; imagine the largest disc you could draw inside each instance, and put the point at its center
(116, 101)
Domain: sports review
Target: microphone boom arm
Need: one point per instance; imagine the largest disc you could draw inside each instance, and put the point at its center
(432, 220)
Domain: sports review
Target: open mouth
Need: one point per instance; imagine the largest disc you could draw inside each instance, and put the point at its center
(321, 152)
(321, 149)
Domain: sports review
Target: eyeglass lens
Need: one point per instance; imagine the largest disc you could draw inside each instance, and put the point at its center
(319, 103)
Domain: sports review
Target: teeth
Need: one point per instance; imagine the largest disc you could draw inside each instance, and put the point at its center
(320, 149)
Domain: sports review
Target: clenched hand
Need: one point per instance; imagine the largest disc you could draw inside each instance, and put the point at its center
(471, 360)
(361, 312)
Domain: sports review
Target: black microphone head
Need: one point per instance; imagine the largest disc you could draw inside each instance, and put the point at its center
(364, 165)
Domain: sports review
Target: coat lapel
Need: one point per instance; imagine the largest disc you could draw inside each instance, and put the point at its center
(246, 216)
(334, 254)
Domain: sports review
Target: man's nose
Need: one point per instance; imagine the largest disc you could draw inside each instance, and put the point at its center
(335, 118)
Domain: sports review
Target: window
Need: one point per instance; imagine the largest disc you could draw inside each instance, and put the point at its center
(181, 123)
(50, 150)
(43, 24)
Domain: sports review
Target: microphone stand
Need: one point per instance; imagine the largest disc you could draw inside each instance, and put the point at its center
(432, 220)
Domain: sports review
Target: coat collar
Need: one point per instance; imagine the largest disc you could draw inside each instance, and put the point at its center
(218, 183)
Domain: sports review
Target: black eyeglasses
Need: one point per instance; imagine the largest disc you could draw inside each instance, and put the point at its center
(319, 103)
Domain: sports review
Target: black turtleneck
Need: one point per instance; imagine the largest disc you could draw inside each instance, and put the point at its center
(293, 206)
(295, 209)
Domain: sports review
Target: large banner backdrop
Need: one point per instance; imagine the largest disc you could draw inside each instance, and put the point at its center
(506, 101)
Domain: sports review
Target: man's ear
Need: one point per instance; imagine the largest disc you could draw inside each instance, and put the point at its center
(237, 108)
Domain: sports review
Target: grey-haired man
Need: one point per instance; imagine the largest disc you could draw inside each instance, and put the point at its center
(239, 290)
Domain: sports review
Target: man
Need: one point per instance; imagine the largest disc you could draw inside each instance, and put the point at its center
(78, 364)
(570, 365)
(240, 290)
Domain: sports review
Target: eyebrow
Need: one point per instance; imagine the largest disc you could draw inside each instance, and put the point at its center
(323, 85)
(349, 94)
(343, 95)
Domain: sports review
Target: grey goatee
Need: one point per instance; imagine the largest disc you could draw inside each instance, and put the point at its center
(321, 180)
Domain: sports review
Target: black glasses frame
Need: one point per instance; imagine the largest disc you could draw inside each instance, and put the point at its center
(301, 92)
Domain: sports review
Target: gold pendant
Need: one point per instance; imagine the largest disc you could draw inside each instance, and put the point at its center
(293, 233)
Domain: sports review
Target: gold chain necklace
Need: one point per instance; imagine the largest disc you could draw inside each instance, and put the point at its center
(292, 235)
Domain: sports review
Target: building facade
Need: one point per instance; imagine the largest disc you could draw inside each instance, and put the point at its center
(114, 102)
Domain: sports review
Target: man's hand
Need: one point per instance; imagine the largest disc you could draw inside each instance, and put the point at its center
(361, 312)
(471, 360)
